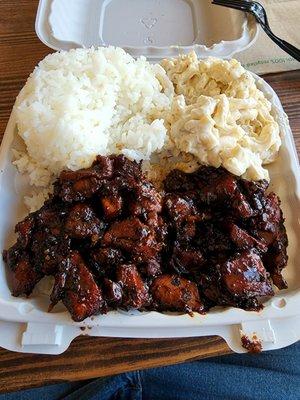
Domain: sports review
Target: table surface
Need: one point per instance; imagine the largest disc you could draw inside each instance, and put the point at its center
(20, 50)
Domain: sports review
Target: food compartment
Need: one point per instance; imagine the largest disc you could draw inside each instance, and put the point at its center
(35, 308)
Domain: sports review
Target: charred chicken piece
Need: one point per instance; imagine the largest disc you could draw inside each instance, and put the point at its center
(77, 186)
(49, 243)
(270, 218)
(83, 184)
(105, 259)
(252, 188)
(241, 207)
(24, 230)
(24, 277)
(243, 240)
(161, 232)
(210, 285)
(183, 216)
(77, 289)
(188, 229)
(82, 223)
(134, 237)
(22, 273)
(186, 260)
(127, 169)
(173, 293)
(51, 218)
(236, 285)
(111, 199)
(113, 292)
(269, 226)
(245, 275)
(276, 258)
(254, 192)
(135, 292)
(104, 166)
(179, 182)
(112, 206)
(152, 268)
(48, 251)
(218, 186)
(211, 239)
(147, 203)
(206, 175)
(225, 189)
(222, 189)
(178, 208)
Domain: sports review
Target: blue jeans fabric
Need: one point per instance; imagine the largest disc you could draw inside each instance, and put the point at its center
(273, 375)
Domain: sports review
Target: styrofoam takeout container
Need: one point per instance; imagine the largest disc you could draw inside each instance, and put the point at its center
(25, 324)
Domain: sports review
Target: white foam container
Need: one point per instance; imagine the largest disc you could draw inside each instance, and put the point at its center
(25, 325)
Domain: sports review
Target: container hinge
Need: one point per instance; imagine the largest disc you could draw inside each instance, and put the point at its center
(42, 334)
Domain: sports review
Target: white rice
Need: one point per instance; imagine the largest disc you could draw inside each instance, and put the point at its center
(85, 102)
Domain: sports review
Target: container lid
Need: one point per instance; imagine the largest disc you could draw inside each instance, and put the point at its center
(153, 28)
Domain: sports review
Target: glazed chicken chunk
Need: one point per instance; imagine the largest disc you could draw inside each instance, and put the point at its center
(76, 287)
(133, 237)
(83, 184)
(82, 223)
(245, 275)
(173, 293)
(23, 276)
(135, 292)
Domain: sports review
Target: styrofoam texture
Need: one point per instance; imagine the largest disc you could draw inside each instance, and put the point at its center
(226, 322)
(153, 28)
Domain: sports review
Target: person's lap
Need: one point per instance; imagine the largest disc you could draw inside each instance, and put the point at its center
(273, 375)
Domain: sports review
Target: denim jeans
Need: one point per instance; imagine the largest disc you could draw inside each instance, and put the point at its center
(273, 375)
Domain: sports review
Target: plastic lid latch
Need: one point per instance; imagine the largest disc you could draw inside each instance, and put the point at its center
(42, 334)
(262, 330)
